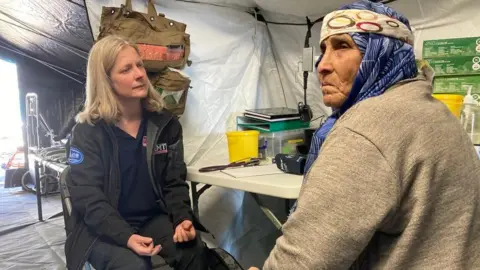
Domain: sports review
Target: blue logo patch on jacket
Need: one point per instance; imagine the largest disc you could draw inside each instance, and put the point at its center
(76, 156)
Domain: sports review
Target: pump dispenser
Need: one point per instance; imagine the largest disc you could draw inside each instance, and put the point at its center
(470, 117)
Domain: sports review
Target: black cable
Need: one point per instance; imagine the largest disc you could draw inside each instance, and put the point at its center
(322, 116)
(387, 1)
(75, 3)
(305, 82)
(305, 73)
(280, 23)
(210, 4)
(303, 109)
(309, 32)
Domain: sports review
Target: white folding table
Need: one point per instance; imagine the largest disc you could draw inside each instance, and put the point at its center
(283, 185)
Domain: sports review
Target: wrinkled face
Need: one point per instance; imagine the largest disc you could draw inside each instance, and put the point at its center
(338, 68)
(128, 76)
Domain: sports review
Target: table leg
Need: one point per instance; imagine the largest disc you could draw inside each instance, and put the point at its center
(37, 191)
(287, 206)
(195, 197)
(59, 214)
(267, 212)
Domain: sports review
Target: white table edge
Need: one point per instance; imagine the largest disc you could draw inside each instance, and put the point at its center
(211, 178)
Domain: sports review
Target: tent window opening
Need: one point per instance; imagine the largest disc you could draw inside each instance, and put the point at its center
(10, 117)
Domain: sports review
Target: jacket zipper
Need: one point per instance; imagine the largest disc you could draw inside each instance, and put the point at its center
(154, 182)
(157, 135)
(116, 171)
(85, 259)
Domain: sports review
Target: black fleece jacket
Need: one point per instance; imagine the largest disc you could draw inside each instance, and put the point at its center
(94, 183)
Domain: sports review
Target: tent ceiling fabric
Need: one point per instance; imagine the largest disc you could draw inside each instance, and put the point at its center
(58, 32)
(299, 8)
(55, 31)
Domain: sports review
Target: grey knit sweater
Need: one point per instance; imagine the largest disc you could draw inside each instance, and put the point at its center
(396, 186)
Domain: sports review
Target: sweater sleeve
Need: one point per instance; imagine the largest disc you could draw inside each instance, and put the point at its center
(349, 193)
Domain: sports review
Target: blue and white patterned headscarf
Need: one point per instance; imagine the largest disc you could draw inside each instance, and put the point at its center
(386, 61)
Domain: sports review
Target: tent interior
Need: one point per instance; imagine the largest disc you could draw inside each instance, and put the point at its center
(245, 54)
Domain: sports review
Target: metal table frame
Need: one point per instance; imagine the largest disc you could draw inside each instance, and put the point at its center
(276, 221)
(196, 193)
(39, 163)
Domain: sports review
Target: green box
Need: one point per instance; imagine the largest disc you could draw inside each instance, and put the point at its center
(265, 126)
(459, 65)
(469, 46)
(456, 85)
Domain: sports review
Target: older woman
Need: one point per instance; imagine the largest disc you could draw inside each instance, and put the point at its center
(393, 180)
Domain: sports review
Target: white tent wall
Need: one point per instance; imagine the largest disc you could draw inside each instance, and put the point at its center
(438, 19)
(238, 63)
(430, 19)
(287, 43)
(232, 70)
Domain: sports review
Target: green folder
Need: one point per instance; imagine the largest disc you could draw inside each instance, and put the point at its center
(266, 126)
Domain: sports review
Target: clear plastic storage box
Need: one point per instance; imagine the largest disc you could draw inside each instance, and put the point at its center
(280, 142)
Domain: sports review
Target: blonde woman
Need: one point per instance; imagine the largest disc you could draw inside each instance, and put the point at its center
(127, 174)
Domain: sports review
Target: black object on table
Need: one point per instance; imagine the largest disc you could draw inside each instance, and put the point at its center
(241, 163)
(294, 164)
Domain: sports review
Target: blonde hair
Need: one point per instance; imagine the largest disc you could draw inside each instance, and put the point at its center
(100, 101)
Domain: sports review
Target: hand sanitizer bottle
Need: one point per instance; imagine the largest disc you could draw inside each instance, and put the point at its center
(470, 118)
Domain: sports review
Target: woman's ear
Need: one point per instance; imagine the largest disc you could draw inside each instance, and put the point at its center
(110, 82)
